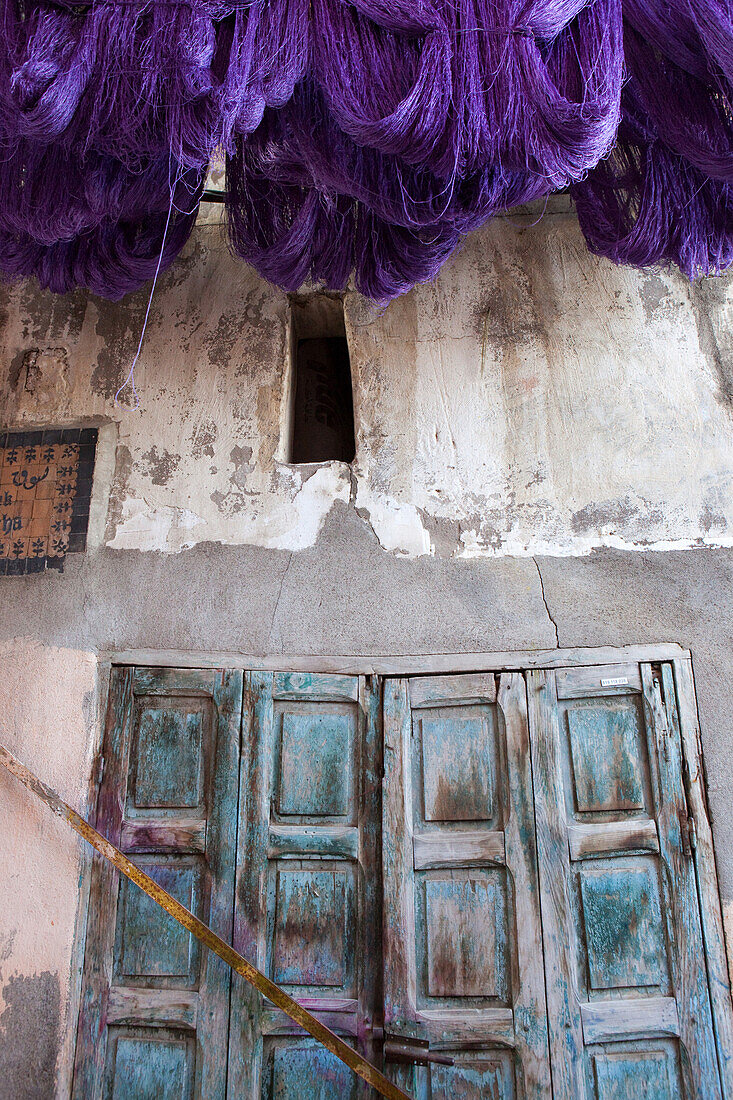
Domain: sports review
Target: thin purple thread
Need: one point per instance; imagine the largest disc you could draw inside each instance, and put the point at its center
(131, 374)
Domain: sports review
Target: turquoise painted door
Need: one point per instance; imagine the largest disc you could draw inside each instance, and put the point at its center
(463, 967)
(627, 989)
(307, 896)
(531, 931)
(154, 1012)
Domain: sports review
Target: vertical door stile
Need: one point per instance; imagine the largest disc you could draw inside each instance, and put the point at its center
(369, 944)
(679, 676)
(221, 839)
(245, 1038)
(686, 949)
(400, 1011)
(558, 925)
(91, 1045)
(398, 909)
(530, 1014)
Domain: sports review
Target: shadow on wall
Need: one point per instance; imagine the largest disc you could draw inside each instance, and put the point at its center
(29, 1037)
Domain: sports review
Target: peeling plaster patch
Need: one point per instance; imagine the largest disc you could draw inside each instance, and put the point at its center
(399, 527)
(47, 375)
(118, 327)
(574, 546)
(293, 518)
(479, 544)
(289, 521)
(246, 318)
(118, 495)
(710, 519)
(240, 497)
(477, 538)
(382, 456)
(221, 342)
(52, 318)
(29, 1036)
(161, 467)
(142, 527)
(713, 309)
(655, 295)
(203, 439)
(18, 367)
(241, 457)
(536, 479)
(613, 514)
(443, 531)
(231, 503)
(296, 526)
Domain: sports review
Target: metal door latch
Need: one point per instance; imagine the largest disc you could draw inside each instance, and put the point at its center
(411, 1051)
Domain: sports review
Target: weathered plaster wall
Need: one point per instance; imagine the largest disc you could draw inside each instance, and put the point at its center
(534, 399)
(557, 403)
(48, 718)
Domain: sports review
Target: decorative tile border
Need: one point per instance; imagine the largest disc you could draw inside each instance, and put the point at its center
(45, 490)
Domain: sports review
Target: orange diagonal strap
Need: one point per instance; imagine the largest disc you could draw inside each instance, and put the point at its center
(232, 958)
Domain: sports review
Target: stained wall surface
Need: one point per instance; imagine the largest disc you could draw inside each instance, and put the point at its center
(48, 709)
(544, 456)
(534, 399)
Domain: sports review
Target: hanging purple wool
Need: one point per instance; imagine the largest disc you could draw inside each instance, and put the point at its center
(665, 194)
(420, 173)
(363, 137)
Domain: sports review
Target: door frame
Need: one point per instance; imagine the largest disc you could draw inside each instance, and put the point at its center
(384, 665)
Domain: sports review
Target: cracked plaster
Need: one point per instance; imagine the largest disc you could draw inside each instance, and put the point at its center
(532, 400)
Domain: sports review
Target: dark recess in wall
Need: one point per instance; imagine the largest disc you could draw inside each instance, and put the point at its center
(323, 405)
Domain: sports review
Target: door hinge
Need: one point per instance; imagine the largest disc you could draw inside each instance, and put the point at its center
(662, 716)
(248, 707)
(688, 833)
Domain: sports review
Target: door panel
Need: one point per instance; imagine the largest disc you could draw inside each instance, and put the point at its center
(474, 1078)
(307, 880)
(143, 1068)
(155, 1007)
(151, 950)
(294, 1069)
(462, 942)
(626, 980)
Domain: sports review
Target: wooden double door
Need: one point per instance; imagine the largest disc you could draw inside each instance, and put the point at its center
(486, 882)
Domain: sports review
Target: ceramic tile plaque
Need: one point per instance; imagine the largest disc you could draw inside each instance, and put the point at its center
(45, 489)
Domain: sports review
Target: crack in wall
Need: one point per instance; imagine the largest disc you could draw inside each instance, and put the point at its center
(544, 600)
(277, 605)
